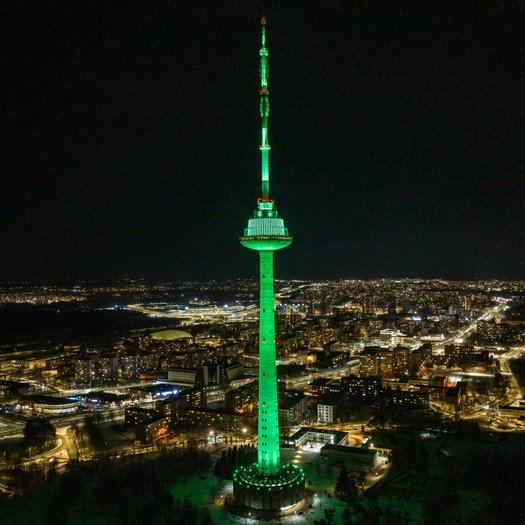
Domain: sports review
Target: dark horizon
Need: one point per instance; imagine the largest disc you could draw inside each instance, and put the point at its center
(132, 140)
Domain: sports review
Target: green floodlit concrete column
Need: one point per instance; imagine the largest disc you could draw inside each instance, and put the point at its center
(268, 431)
(266, 233)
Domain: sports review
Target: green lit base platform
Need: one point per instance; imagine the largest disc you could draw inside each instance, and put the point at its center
(271, 493)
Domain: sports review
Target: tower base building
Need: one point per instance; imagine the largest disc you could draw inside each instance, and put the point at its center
(276, 492)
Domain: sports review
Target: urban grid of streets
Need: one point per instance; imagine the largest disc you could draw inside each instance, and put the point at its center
(68, 446)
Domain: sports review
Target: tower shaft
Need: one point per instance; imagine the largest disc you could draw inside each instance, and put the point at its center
(268, 426)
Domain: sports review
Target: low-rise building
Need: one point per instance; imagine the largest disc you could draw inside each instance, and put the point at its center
(308, 435)
(194, 377)
(51, 405)
(354, 457)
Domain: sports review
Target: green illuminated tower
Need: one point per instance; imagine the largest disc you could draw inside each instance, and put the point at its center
(268, 485)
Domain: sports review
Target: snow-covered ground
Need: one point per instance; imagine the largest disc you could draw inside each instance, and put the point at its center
(320, 482)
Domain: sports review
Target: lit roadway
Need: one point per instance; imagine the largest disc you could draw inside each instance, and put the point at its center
(513, 391)
(512, 395)
(14, 428)
(489, 314)
(10, 427)
(304, 382)
(103, 415)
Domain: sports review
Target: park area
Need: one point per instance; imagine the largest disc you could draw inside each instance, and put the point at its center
(450, 479)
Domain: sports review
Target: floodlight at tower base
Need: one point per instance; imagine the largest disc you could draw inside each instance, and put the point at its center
(276, 492)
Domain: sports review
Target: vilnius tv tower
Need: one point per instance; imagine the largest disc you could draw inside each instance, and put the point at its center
(268, 485)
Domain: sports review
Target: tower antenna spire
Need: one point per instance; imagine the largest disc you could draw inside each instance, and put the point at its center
(265, 113)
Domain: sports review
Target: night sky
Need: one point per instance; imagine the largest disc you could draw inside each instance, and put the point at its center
(131, 136)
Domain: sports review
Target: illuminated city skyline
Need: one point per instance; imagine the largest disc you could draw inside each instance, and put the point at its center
(146, 376)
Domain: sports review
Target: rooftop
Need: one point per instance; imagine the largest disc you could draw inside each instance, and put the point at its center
(170, 335)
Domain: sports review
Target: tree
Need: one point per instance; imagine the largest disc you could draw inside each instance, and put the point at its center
(94, 434)
(362, 477)
(345, 486)
(371, 517)
(220, 466)
(347, 515)
(436, 505)
(39, 433)
(205, 517)
(67, 492)
(234, 457)
(188, 512)
(392, 519)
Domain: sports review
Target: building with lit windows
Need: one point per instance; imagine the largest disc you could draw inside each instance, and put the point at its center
(292, 410)
(361, 388)
(376, 361)
(327, 408)
(242, 399)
